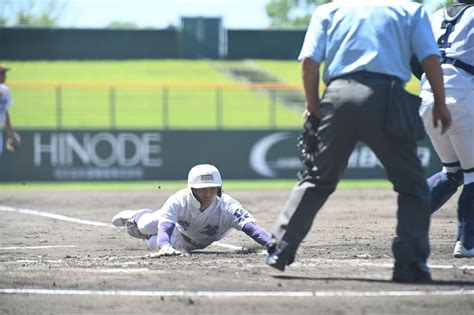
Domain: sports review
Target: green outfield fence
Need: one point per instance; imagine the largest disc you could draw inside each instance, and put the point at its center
(156, 105)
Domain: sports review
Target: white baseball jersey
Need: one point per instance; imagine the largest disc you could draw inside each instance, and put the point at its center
(199, 229)
(455, 147)
(5, 101)
(460, 46)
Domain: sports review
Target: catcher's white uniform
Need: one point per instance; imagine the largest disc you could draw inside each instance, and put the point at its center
(455, 148)
(194, 229)
(5, 104)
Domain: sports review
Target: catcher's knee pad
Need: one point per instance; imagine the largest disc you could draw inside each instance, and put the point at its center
(132, 230)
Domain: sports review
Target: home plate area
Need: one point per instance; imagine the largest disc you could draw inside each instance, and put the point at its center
(59, 254)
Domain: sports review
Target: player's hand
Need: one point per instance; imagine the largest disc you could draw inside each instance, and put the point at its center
(316, 111)
(167, 250)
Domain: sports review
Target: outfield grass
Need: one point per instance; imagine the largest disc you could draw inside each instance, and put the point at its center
(147, 94)
(150, 71)
(175, 185)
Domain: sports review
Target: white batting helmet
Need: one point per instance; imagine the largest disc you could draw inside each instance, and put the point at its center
(204, 175)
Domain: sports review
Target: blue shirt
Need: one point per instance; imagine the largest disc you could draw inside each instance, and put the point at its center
(376, 36)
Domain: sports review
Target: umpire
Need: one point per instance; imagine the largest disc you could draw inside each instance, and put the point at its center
(366, 47)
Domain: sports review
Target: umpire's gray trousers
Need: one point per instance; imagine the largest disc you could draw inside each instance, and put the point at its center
(353, 109)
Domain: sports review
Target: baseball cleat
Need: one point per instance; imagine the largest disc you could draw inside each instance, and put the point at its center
(461, 252)
(123, 217)
(132, 230)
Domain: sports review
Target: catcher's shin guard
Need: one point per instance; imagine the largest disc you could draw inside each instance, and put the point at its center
(442, 187)
(466, 216)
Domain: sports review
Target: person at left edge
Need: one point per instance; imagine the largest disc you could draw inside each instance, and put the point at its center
(5, 103)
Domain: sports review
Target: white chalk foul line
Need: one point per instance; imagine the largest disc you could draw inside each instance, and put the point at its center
(237, 294)
(358, 263)
(88, 222)
(227, 246)
(96, 223)
(52, 216)
(36, 247)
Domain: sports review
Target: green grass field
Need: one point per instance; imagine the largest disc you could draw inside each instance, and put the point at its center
(140, 100)
(147, 94)
(174, 185)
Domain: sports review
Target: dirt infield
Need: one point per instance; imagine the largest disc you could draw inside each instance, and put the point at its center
(61, 265)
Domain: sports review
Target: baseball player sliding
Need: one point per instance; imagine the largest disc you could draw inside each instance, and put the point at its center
(454, 29)
(192, 218)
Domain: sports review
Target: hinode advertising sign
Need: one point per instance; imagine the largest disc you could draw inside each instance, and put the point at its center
(94, 155)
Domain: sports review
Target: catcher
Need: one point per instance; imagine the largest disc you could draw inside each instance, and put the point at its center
(13, 140)
(192, 218)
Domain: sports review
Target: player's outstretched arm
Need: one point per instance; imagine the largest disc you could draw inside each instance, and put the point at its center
(164, 234)
(257, 233)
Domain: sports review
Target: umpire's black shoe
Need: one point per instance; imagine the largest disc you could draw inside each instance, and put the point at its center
(278, 259)
(411, 273)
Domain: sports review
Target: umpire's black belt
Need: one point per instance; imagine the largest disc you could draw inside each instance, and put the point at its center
(366, 76)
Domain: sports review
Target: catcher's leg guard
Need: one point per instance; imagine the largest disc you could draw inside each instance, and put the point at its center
(442, 187)
(466, 216)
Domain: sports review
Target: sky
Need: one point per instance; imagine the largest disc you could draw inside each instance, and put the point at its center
(236, 14)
